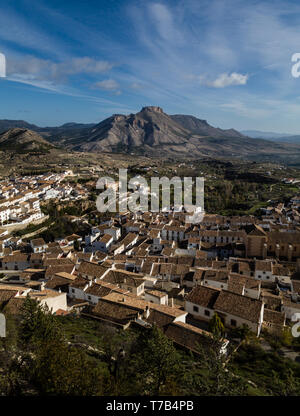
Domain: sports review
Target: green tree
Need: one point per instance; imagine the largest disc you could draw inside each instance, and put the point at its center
(209, 375)
(154, 364)
(286, 385)
(216, 325)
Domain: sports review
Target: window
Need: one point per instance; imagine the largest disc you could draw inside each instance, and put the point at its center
(195, 309)
(73, 290)
(89, 298)
(206, 312)
(233, 322)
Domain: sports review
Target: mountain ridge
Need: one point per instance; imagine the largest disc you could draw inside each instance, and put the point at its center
(151, 132)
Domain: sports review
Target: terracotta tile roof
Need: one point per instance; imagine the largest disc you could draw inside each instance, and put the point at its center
(19, 257)
(141, 305)
(274, 317)
(248, 282)
(14, 306)
(79, 283)
(5, 295)
(296, 286)
(263, 265)
(97, 289)
(106, 239)
(91, 270)
(188, 335)
(203, 296)
(273, 302)
(158, 318)
(52, 270)
(216, 275)
(238, 305)
(57, 262)
(38, 242)
(57, 282)
(119, 313)
(156, 293)
(122, 276)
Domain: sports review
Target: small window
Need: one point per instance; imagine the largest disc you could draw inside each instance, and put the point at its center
(195, 309)
(207, 313)
(89, 298)
(233, 322)
(73, 290)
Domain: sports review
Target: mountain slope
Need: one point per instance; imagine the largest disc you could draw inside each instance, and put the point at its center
(20, 140)
(150, 128)
(202, 128)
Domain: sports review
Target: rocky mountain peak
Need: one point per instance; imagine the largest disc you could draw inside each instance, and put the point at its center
(152, 108)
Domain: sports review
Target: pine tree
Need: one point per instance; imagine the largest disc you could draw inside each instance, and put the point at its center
(216, 325)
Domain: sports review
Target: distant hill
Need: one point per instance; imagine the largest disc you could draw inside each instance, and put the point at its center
(11, 124)
(20, 140)
(288, 139)
(276, 137)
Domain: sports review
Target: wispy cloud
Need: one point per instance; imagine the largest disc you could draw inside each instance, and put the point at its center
(183, 55)
(42, 69)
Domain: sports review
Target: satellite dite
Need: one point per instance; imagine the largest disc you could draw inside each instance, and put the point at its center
(2, 326)
(2, 65)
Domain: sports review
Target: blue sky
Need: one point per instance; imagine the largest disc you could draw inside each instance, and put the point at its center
(227, 61)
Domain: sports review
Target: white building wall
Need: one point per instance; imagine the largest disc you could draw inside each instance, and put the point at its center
(189, 307)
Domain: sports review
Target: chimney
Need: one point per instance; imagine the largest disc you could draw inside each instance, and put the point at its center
(146, 312)
(172, 302)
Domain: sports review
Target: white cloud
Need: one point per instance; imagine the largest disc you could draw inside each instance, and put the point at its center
(42, 69)
(226, 80)
(108, 85)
